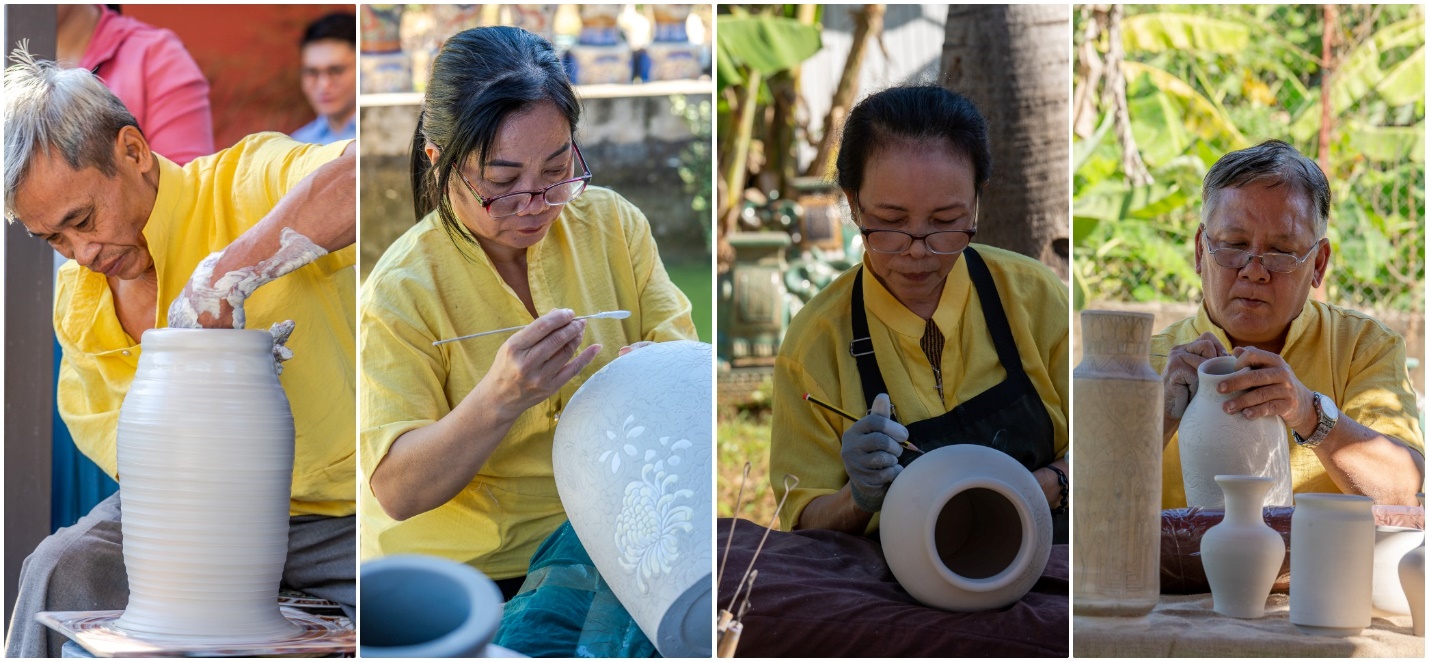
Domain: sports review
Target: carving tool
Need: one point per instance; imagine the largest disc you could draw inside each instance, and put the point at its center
(813, 400)
(607, 315)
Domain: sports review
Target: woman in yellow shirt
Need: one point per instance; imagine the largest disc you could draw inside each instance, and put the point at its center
(967, 345)
(456, 438)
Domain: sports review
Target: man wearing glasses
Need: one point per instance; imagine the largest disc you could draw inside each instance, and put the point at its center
(1335, 376)
(329, 74)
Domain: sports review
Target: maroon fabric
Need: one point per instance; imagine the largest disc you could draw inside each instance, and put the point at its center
(830, 594)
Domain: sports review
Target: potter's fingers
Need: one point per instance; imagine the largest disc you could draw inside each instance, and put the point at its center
(538, 330)
(1179, 399)
(559, 344)
(577, 364)
(1277, 393)
(882, 405)
(884, 476)
(1262, 410)
(879, 460)
(878, 442)
(1253, 379)
(1250, 357)
(876, 424)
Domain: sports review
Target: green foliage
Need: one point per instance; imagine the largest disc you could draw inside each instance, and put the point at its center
(767, 44)
(1203, 80)
(695, 170)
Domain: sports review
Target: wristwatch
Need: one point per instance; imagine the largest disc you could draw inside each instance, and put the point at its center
(1329, 415)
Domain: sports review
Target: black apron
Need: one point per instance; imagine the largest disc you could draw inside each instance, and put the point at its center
(1009, 417)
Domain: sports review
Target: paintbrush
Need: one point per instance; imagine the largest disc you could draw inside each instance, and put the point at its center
(608, 315)
(906, 444)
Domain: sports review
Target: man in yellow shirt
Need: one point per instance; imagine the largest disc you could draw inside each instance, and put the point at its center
(1335, 376)
(152, 243)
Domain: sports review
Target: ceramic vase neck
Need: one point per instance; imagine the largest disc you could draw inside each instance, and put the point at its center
(1116, 344)
(1245, 498)
(1212, 373)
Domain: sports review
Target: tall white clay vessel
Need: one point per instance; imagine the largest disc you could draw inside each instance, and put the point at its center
(1331, 563)
(966, 528)
(1411, 577)
(1118, 467)
(1216, 443)
(1391, 543)
(632, 458)
(1242, 554)
(205, 452)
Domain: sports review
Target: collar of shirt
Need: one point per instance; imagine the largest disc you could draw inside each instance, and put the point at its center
(951, 304)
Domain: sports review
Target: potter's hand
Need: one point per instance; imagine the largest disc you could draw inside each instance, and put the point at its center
(1271, 389)
(209, 302)
(535, 362)
(630, 348)
(281, 353)
(870, 454)
(1180, 380)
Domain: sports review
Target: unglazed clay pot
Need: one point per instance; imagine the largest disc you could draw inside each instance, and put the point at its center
(205, 453)
(1331, 563)
(632, 458)
(1216, 443)
(966, 528)
(1411, 577)
(1242, 554)
(1118, 467)
(1391, 543)
(424, 606)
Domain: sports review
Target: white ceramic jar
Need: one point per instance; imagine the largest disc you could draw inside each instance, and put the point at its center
(205, 454)
(1411, 577)
(1331, 563)
(1214, 443)
(1391, 543)
(966, 528)
(1242, 555)
(632, 458)
(417, 606)
(1118, 469)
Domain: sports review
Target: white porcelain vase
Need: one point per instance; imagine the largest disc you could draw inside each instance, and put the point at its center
(1391, 543)
(1242, 554)
(1215, 443)
(1331, 563)
(205, 454)
(966, 528)
(1411, 577)
(417, 606)
(1118, 467)
(632, 458)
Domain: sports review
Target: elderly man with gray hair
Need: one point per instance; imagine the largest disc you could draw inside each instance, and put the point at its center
(1337, 377)
(153, 244)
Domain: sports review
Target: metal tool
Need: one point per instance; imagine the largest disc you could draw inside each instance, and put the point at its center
(607, 315)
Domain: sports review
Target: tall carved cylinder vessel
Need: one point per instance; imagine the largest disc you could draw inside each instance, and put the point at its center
(1331, 563)
(1216, 443)
(1242, 554)
(205, 452)
(966, 528)
(632, 459)
(1116, 482)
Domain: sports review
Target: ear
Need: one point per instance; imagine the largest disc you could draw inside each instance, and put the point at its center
(852, 199)
(1322, 262)
(433, 153)
(1200, 246)
(131, 148)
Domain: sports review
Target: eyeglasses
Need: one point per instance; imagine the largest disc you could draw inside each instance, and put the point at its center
(942, 242)
(1274, 261)
(559, 193)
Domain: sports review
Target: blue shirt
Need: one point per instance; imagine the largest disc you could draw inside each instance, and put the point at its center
(319, 133)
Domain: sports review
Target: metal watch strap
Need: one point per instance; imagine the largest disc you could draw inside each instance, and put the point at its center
(1323, 425)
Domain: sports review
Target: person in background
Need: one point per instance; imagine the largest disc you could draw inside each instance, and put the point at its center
(330, 79)
(148, 68)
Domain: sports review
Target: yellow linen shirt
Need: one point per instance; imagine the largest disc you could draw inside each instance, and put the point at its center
(598, 255)
(1347, 355)
(202, 208)
(814, 358)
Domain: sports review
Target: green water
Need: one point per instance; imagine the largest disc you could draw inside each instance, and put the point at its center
(693, 278)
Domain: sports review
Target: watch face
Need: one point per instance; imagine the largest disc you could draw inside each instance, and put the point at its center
(1328, 409)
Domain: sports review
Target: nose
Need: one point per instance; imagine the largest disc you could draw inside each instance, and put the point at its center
(536, 205)
(1255, 271)
(919, 247)
(83, 252)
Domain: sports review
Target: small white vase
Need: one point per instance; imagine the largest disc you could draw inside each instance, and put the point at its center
(1331, 563)
(1215, 443)
(633, 460)
(1411, 577)
(1391, 543)
(205, 454)
(1242, 554)
(966, 528)
(417, 606)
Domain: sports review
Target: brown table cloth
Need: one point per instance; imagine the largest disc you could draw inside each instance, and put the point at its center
(1185, 626)
(830, 594)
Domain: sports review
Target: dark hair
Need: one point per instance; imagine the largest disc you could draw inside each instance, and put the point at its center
(1272, 163)
(915, 113)
(340, 26)
(481, 76)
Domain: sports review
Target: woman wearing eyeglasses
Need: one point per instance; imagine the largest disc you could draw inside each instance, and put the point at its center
(968, 343)
(456, 438)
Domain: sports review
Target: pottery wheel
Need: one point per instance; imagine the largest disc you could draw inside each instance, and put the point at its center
(95, 631)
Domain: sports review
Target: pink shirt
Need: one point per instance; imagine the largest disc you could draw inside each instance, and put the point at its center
(156, 78)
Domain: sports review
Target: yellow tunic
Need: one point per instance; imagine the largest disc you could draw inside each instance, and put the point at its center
(1347, 355)
(814, 358)
(202, 208)
(599, 255)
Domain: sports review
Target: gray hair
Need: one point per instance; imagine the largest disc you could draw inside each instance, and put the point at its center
(1271, 163)
(67, 111)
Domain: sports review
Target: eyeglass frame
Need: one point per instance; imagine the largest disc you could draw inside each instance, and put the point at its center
(1299, 261)
(486, 204)
(865, 231)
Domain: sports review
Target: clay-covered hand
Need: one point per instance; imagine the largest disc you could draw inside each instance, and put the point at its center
(870, 454)
(632, 347)
(281, 331)
(535, 362)
(1271, 389)
(1180, 379)
(217, 303)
